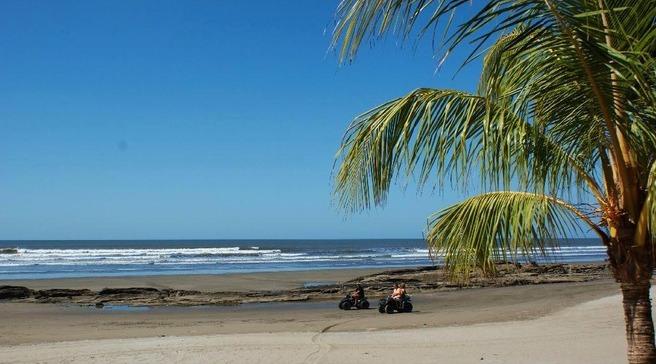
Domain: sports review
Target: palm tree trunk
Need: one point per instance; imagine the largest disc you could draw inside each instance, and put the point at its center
(632, 266)
(639, 324)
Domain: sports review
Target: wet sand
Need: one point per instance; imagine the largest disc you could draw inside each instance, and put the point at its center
(22, 323)
(206, 282)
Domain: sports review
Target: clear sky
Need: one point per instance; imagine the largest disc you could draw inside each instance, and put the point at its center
(191, 119)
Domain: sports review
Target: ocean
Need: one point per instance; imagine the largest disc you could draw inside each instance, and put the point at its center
(98, 258)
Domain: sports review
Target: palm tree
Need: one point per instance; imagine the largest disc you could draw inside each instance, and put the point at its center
(566, 106)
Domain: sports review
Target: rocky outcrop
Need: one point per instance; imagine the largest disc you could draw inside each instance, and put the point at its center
(128, 291)
(14, 292)
(507, 274)
(376, 285)
(61, 292)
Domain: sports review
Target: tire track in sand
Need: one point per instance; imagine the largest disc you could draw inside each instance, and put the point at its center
(323, 348)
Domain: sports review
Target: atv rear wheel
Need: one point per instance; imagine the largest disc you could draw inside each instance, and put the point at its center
(364, 304)
(408, 307)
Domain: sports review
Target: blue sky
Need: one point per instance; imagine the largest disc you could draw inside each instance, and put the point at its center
(203, 119)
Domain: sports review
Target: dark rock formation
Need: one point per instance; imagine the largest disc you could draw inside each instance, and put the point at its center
(14, 292)
(61, 292)
(376, 285)
(128, 291)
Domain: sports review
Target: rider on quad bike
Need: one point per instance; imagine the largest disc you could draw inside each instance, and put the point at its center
(356, 299)
(398, 301)
(358, 293)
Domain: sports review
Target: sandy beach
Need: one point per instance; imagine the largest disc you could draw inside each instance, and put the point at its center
(545, 323)
(589, 332)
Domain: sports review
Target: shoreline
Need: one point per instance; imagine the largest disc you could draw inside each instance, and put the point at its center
(303, 271)
(281, 286)
(202, 282)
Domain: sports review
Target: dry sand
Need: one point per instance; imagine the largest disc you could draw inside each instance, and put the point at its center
(554, 323)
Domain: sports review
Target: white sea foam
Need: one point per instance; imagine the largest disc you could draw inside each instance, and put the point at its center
(227, 256)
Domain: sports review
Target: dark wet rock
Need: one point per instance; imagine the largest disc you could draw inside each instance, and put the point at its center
(61, 292)
(507, 274)
(128, 291)
(8, 250)
(329, 290)
(14, 292)
(179, 293)
(99, 305)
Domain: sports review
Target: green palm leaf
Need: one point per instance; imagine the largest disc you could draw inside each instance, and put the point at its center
(444, 134)
(495, 226)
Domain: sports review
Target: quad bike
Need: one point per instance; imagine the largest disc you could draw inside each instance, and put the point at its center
(349, 301)
(389, 304)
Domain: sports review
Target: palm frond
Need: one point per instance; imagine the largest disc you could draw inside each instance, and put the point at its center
(358, 19)
(646, 227)
(571, 31)
(430, 128)
(494, 226)
(446, 135)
